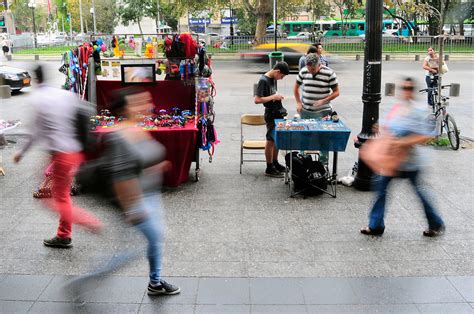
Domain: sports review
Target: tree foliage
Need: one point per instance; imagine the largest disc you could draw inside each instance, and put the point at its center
(347, 10)
(23, 16)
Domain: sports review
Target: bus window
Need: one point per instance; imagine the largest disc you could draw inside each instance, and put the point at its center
(361, 26)
(286, 28)
(326, 27)
(307, 27)
(336, 27)
(352, 26)
(296, 28)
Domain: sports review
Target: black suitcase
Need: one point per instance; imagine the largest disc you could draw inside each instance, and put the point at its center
(309, 176)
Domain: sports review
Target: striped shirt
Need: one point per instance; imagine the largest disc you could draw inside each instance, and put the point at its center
(315, 87)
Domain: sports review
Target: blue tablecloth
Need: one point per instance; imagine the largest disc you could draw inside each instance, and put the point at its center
(317, 135)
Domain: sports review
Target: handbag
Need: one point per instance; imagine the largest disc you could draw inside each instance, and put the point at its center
(444, 68)
(379, 156)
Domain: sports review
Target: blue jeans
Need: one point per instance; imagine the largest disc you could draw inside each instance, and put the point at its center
(376, 215)
(153, 230)
(431, 83)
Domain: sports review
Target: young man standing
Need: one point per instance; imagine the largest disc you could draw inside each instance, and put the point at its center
(319, 86)
(319, 52)
(271, 100)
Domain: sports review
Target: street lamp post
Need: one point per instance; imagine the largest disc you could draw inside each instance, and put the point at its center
(371, 86)
(93, 19)
(93, 16)
(32, 6)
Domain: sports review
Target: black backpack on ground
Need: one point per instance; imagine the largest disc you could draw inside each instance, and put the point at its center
(307, 173)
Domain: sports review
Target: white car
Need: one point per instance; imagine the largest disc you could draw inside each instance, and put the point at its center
(300, 35)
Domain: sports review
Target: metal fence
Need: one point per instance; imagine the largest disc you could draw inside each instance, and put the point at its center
(227, 44)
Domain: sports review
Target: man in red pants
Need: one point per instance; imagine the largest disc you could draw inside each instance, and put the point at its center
(55, 113)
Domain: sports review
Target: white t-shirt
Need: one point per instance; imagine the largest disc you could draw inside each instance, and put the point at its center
(432, 63)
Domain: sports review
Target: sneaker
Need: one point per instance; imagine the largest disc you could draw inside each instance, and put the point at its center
(63, 243)
(279, 167)
(272, 172)
(162, 288)
(434, 232)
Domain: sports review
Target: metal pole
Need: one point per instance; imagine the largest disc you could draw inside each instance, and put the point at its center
(80, 16)
(371, 86)
(93, 16)
(275, 23)
(231, 26)
(441, 50)
(34, 28)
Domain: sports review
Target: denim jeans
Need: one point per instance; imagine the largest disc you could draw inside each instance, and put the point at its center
(376, 215)
(430, 83)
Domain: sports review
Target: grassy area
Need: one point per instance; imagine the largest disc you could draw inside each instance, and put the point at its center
(330, 47)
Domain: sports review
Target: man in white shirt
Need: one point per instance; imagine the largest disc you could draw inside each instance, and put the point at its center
(431, 65)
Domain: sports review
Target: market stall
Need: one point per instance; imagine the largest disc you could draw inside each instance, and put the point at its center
(179, 83)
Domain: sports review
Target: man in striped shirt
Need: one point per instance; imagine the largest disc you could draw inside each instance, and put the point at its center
(319, 86)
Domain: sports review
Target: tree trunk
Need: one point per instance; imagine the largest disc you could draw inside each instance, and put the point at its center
(264, 13)
(461, 26)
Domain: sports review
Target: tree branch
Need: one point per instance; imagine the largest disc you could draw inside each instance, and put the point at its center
(408, 23)
(249, 8)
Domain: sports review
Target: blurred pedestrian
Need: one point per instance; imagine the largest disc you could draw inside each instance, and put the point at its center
(133, 162)
(54, 124)
(431, 65)
(319, 86)
(408, 124)
(319, 52)
(271, 100)
(302, 61)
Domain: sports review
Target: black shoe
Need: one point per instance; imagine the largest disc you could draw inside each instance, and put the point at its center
(63, 243)
(374, 232)
(434, 232)
(163, 288)
(279, 167)
(272, 172)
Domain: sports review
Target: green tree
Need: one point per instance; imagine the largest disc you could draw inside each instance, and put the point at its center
(134, 11)
(24, 18)
(347, 10)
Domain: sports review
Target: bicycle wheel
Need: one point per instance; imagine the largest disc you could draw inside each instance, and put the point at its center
(452, 132)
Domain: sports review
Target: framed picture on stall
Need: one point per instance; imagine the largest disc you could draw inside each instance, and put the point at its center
(138, 73)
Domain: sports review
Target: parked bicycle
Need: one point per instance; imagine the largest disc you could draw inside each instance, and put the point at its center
(444, 121)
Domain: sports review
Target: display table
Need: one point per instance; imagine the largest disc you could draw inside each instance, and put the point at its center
(181, 150)
(312, 135)
(180, 143)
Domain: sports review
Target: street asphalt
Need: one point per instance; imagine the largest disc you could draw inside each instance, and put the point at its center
(237, 243)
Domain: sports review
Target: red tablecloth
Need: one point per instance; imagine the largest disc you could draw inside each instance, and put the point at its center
(181, 148)
(180, 143)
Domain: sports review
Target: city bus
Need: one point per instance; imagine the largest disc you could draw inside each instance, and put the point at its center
(357, 28)
(292, 28)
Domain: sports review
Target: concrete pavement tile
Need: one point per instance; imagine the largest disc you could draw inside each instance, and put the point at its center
(445, 308)
(19, 287)
(459, 249)
(167, 308)
(235, 309)
(379, 290)
(428, 268)
(410, 250)
(268, 309)
(113, 289)
(265, 251)
(58, 308)
(188, 294)
(276, 291)
(223, 291)
(57, 290)
(430, 289)
(343, 251)
(200, 269)
(15, 306)
(363, 309)
(465, 286)
(286, 269)
(355, 268)
(207, 251)
(328, 291)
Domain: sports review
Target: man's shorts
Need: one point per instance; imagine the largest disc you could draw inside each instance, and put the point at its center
(270, 122)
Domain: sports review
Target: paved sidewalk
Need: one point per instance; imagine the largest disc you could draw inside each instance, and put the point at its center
(119, 294)
(246, 230)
